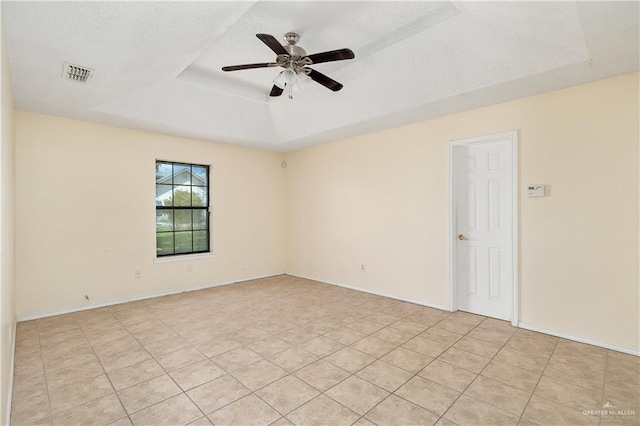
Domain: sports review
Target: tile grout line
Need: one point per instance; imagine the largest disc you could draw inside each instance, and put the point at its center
(442, 416)
(268, 384)
(44, 369)
(414, 374)
(105, 371)
(206, 415)
(433, 359)
(561, 380)
(323, 358)
(323, 393)
(604, 385)
(135, 338)
(128, 415)
(165, 370)
(533, 391)
(44, 372)
(436, 358)
(359, 308)
(355, 373)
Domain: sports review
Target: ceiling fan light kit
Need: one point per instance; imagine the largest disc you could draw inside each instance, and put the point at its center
(290, 79)
(295, 61)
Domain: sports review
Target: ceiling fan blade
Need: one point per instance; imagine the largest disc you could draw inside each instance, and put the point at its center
(332, 55)
(273, 43)
(275, 91)
(324, 80)
(249, 66)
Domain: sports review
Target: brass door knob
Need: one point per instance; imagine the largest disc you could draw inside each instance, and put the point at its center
(461, 237)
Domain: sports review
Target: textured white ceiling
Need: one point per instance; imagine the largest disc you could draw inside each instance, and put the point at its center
(158, 64)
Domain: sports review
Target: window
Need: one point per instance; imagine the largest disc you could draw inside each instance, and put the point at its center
(182, 208)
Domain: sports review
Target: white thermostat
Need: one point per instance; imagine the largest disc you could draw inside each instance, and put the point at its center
(535, 190)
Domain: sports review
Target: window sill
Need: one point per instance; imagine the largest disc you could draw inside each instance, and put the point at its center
(183, 258)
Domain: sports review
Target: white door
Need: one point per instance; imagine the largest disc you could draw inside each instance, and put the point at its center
(483, 209)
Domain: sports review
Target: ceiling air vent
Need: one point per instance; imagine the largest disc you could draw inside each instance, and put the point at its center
(76, 73)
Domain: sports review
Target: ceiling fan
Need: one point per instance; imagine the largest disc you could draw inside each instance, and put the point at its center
(295, 62)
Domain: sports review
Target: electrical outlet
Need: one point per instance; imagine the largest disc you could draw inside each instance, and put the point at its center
(189, 267)
(363, 267)
(137, 274)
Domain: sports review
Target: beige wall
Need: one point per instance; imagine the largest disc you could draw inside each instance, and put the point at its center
(381, 200)
(86, 208)
(7, 216)
(85, 199)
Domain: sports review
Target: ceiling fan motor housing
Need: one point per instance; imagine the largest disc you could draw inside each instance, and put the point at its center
(294, 51)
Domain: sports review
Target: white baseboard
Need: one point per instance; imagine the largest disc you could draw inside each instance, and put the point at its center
(13, 360)
(390, 296)
(623, 349)
(135, 299)
(568, 336)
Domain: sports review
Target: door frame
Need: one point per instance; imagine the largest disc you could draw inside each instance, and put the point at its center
(512, 138)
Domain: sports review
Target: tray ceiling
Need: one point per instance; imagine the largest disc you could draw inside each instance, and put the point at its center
(157, 64)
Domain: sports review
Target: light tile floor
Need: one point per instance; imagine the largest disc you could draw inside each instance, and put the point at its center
(284, 350)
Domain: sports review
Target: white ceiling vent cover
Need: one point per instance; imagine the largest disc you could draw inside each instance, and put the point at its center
(76, 73)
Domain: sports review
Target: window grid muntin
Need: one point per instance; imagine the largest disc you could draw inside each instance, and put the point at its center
(191, 208)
